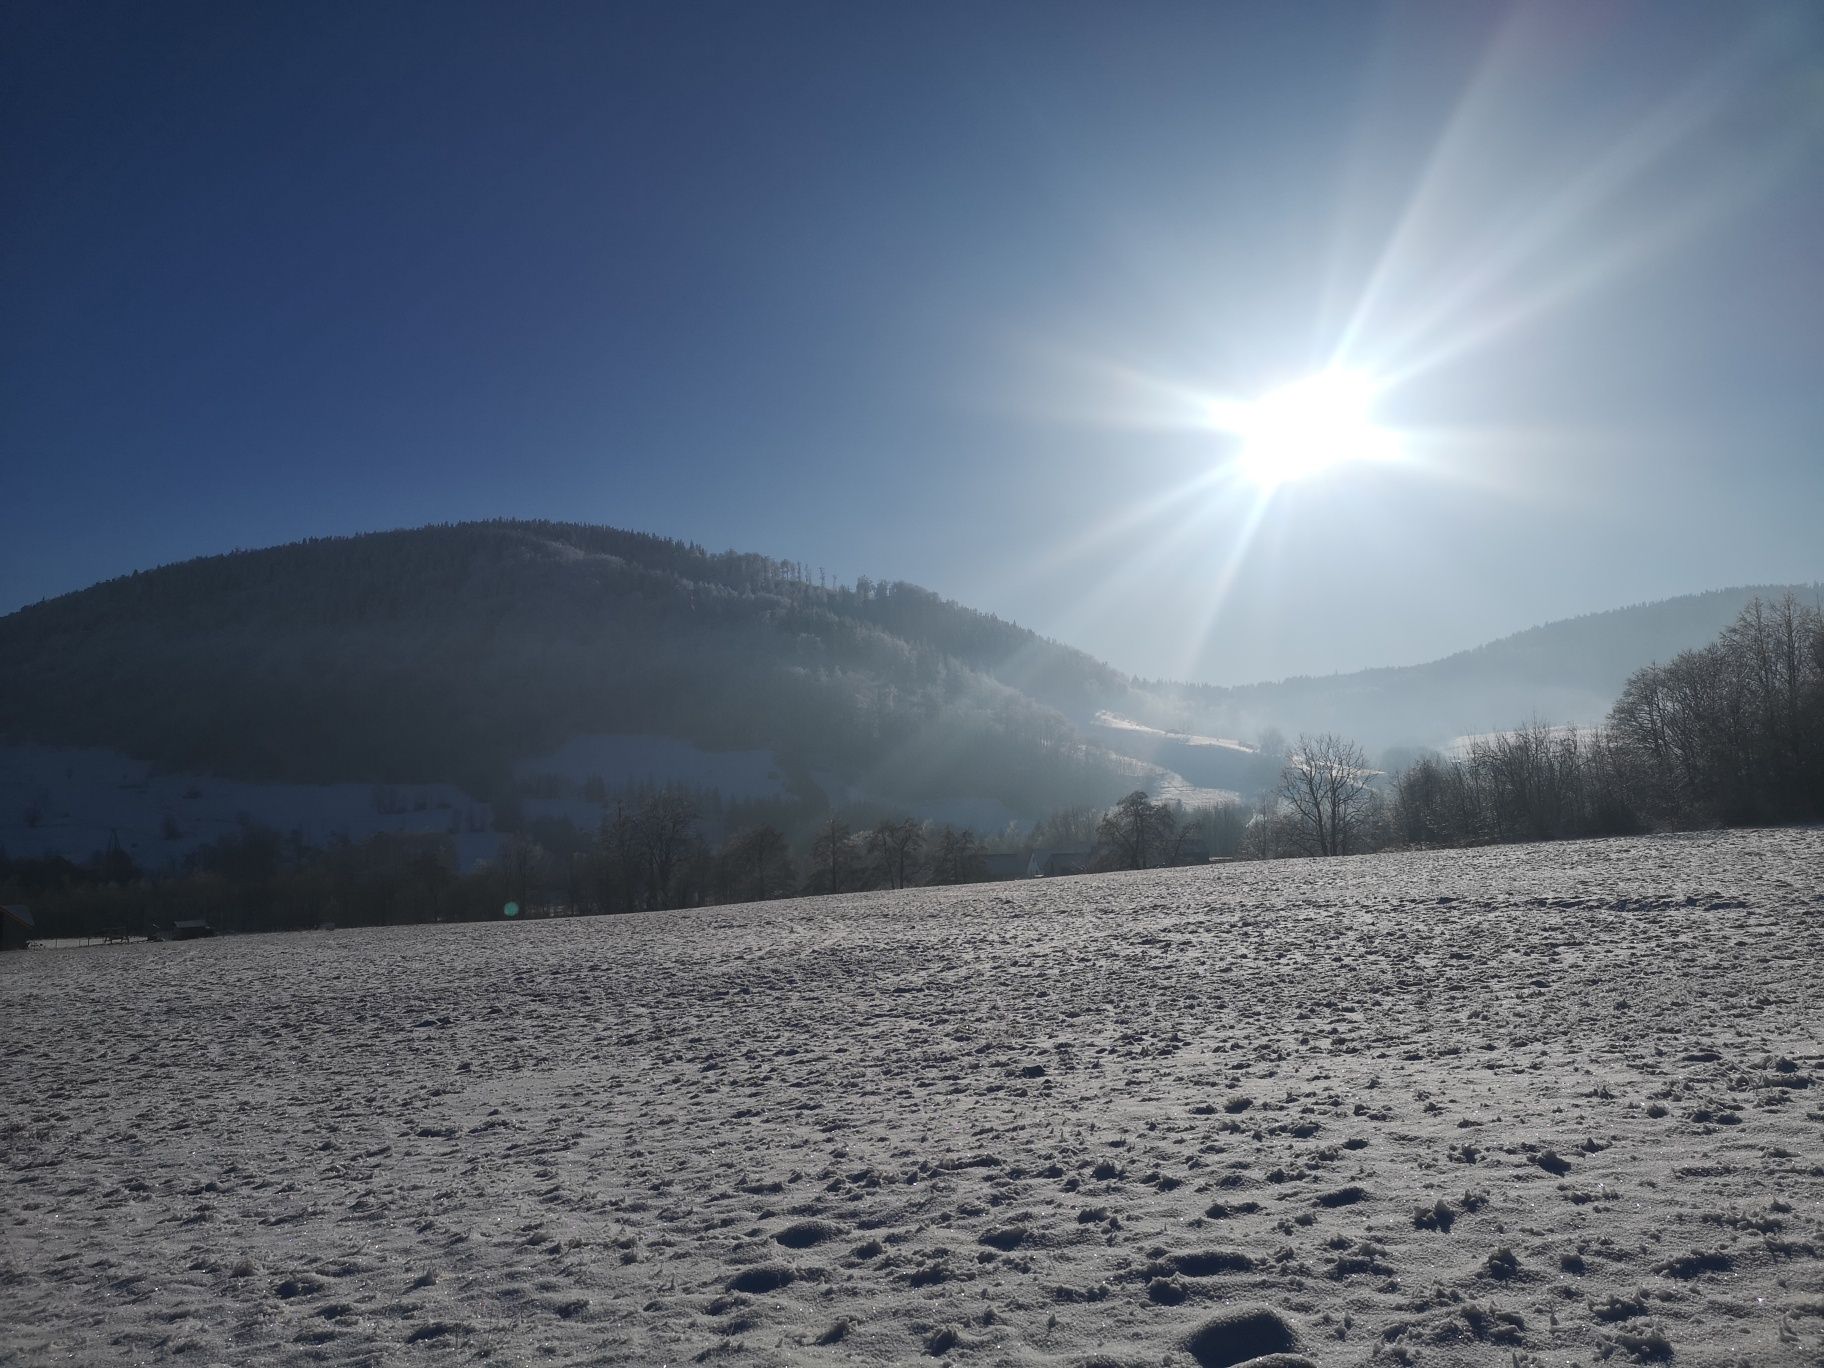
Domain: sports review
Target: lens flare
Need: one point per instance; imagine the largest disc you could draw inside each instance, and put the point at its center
(1308, 427)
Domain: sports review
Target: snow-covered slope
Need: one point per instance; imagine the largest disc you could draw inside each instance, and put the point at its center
(1527, 1104)
(73, 802)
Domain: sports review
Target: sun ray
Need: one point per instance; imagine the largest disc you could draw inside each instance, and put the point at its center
(1449, 148)
(1573, 206)
(1222, 584)
(1624, 166)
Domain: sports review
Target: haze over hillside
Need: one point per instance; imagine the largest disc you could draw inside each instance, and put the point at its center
(460, 655)
(459, 652)
(1566, 672)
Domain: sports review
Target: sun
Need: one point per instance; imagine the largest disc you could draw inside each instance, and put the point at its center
(1308, 427)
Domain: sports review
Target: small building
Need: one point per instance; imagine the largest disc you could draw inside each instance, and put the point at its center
(16, 927)
(1003, 866)
(194, 929)
(1049, 864)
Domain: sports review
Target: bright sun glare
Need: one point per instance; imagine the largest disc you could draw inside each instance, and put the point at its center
(1308, 427)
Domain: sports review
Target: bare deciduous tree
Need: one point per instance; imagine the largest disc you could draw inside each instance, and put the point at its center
(1068, 828)
(958, 857)
(1138, 834)
(1732, 732)
(830, 854)
(665, 829)
(896, 845)
(757, 863)
(1325, 787)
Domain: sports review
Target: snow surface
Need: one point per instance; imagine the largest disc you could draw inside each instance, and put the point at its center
(1536, 1104)
(82, 798)
(1168, 786)
(1115, 722)
(85, 797)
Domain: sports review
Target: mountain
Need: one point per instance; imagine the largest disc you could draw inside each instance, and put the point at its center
(1567, 672)
(461, 653)
(421, 679)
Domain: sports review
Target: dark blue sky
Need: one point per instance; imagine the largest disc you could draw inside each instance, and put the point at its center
(935, 292)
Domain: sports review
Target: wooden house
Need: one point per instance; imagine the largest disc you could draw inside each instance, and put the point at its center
(1049, 864)
(1003, 866)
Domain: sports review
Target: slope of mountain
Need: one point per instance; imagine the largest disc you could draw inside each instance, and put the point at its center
(1568, 671)
(496, 658)
(455, 653)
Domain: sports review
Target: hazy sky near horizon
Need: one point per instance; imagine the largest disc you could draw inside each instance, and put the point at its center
(936, 292)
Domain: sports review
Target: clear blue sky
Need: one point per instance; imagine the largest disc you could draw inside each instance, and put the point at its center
(936, 292)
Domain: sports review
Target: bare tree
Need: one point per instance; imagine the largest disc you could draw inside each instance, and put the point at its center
(1430, 803)
(1138, 834)
(958, 858)
(896, 845)
(1071, 828)
(665, 829)
(1325, 787)
(616, 865)
(1213, 830)
(521, 859)
(830, 854)
(757, 863)
(1734, 731)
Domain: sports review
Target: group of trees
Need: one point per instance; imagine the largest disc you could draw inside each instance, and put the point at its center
(257, 879)
(1732, 733)
(660, 855)
(657, 848)
(1534, 783)
(1139, 833)
(1729, 734)
(1570, 668)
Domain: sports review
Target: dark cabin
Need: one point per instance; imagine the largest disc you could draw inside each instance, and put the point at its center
(1049, 864)
(16, 927)
(1003, 866)
(196, 929)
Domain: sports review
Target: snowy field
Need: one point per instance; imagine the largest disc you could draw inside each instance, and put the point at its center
(1547, 1104)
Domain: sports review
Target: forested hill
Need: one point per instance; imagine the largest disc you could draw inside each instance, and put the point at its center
(450, 652)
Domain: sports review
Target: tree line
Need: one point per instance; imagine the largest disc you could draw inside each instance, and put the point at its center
(657, 848)
(1730, 734)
